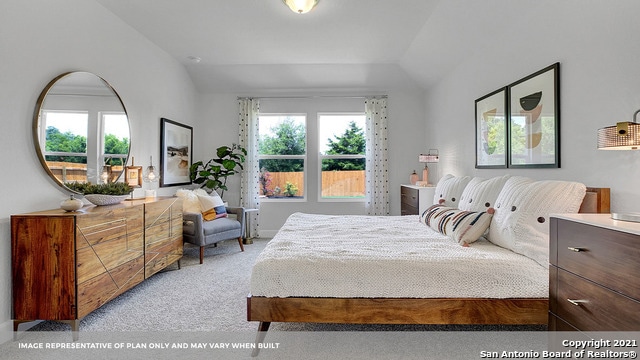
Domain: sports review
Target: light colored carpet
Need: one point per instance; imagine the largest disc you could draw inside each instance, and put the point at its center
(207, 297)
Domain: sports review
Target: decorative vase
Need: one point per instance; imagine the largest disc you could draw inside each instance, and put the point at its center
(413, 178)
(425, 174)
(71, 204)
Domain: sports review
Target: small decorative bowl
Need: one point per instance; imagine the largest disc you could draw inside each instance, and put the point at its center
(102, 199)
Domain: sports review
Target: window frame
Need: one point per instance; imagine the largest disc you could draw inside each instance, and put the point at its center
(304, 157)
(102, 156)
(321, 157)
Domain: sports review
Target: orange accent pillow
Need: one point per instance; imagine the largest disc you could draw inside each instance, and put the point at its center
(209, 215)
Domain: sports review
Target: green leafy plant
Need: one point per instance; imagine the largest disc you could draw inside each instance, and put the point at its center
(112, 188)
(290, 189)
(214, 173)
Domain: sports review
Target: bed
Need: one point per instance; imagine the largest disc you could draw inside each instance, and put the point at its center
(404, 297)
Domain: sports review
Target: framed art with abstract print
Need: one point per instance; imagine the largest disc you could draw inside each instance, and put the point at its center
(176, 144)
(491, 130)
(534, 120)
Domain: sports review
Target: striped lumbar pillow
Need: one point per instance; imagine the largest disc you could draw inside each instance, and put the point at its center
(463, 226)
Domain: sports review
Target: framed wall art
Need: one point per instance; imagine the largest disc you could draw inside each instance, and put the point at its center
(176, 145)
(534, 120)
(133, 176)
(491, 130)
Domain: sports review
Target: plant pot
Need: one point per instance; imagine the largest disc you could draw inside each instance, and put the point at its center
(101, 199)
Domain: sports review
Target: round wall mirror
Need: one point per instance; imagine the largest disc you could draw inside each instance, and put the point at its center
(81, 130)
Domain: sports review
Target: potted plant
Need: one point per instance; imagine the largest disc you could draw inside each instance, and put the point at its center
(101, 194)
(214, 173)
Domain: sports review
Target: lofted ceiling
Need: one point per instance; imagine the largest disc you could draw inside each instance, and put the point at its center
(248, 45)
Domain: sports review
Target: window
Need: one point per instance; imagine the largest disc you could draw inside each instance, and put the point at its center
(65, 144)
(342, 156)
(282, 155)
(115, 143)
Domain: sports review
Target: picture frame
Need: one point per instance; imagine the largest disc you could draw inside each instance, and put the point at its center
(491, 130)
(176, 145)
(534, 120)
(133, 176)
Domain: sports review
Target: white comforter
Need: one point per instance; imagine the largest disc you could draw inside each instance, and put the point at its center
(388, 257)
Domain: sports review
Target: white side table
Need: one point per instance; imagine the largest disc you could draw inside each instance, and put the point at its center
(247, 232)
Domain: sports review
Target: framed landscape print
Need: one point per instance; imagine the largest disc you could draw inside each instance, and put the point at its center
(491, 130)
(534, 118)
(133, 176)
(176, 144)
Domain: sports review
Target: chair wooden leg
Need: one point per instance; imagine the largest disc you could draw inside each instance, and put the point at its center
(201, 254)
(240, 242)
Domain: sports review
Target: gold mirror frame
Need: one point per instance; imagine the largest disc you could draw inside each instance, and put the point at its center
(92, 174)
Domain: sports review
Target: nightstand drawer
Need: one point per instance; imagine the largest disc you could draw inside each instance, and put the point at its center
(409, 210)
(409, 196)
(601, 255)
(594, 307)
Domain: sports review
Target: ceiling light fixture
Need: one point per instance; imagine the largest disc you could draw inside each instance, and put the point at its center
(301, 6)
(194, 59)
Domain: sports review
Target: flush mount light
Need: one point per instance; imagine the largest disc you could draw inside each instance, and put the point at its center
(194, 59)
(301, 6)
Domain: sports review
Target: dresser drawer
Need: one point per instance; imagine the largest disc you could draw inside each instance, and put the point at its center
(597, 309)
(409, 196)
(601, 255)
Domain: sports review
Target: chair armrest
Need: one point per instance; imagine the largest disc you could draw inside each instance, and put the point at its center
(196, 218)
(239, 212)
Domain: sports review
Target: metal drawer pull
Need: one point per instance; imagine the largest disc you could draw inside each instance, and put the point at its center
(576, 302)
(576, 249)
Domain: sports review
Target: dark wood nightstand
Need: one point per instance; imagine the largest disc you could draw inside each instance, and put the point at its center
(593, 273)
(415, 199)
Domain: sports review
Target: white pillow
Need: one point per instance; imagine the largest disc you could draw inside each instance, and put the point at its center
(450, 189)
(481, 194)
(190, 201)
(521, 219)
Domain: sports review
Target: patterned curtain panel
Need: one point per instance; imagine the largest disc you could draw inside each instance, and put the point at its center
(377, 173)
(248, 110)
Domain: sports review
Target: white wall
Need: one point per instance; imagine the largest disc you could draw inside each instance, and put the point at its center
(40, 39)
(406, 141)
(596, 43)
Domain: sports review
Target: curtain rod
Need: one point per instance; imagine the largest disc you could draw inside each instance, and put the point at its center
(315, 97)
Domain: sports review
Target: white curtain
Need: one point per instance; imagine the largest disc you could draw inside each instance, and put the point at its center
(377, 173)
(248, 110)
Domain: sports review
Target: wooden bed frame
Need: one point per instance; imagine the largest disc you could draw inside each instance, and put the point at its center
(435, 311)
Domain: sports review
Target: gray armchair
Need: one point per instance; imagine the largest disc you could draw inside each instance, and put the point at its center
(204, 233)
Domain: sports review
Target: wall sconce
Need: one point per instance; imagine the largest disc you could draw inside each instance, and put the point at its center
(430, 157)
(622, 136)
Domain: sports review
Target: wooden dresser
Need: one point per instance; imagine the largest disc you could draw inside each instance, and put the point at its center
(593, 273)
(67, 264)
(415, 199)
